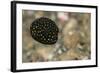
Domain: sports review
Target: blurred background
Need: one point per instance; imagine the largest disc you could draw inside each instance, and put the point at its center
(73, 37)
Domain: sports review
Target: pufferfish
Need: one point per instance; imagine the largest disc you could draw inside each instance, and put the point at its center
(44, 30)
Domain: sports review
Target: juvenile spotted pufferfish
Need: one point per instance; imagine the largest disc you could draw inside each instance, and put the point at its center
(44, 30)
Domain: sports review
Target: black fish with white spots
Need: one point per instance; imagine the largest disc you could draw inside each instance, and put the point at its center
(44, 30)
